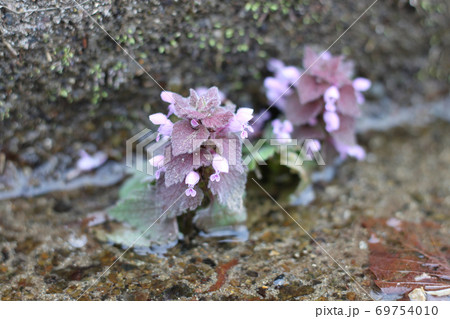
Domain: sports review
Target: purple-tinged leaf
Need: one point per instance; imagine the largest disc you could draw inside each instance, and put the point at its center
(193, 98)
(346, 72)
(230, 188)
(174, 200)
(326, 70)
(310, 89)
(346, 133)
(332, 69)
(218, 119)
(347, 102)
(186, 139)
(299, 114)
(212, 98)
(309, 57)
(304, 132)
(179, 166)
(183, 109)
(230, 106)
(230, 147)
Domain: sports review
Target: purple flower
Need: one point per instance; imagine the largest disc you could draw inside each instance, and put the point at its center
(355, 151)
(220, 165)
(361, 85)
(331, 95)
(194, 123)
(88, 162)
(274, 65)
(192, 178)
(331, 120)
(167, 97)
(282, 130)
(330, 117)
(278, 89)
(158, 162)
(313, 145)
(165, 125)
(239, 123)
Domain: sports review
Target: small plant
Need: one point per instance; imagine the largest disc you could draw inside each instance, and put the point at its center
(204, 152)
(200, 169)
(321, 104)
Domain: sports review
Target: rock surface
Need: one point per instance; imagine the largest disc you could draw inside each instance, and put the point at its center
(66, 80)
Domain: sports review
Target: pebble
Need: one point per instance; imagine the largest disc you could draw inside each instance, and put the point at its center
(252, 273)
(292, 291)
(362, 245)
(279, 281)
(177, 291)
(417, 294)
(209, 262)
(351, 296)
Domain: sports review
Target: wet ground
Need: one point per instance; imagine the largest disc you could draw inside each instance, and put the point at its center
(48, 252)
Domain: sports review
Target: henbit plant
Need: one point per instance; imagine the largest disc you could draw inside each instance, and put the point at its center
(200, 166)
(204, 151)
(320, 103)
(319, 106)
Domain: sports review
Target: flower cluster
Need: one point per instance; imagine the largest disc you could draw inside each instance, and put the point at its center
(203, 155)
(321, 102)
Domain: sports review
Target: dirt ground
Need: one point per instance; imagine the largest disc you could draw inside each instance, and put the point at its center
(48, 253)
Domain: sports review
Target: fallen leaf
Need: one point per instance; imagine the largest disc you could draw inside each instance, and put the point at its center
(406, 256)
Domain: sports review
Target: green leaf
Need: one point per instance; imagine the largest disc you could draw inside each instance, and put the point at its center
(252, 165)
(220, 221)
(138, 181)
(140, 216)
(267, 151)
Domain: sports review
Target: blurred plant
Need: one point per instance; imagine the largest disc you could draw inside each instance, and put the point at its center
(200, 166)
(319, 107)
(321, 103)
